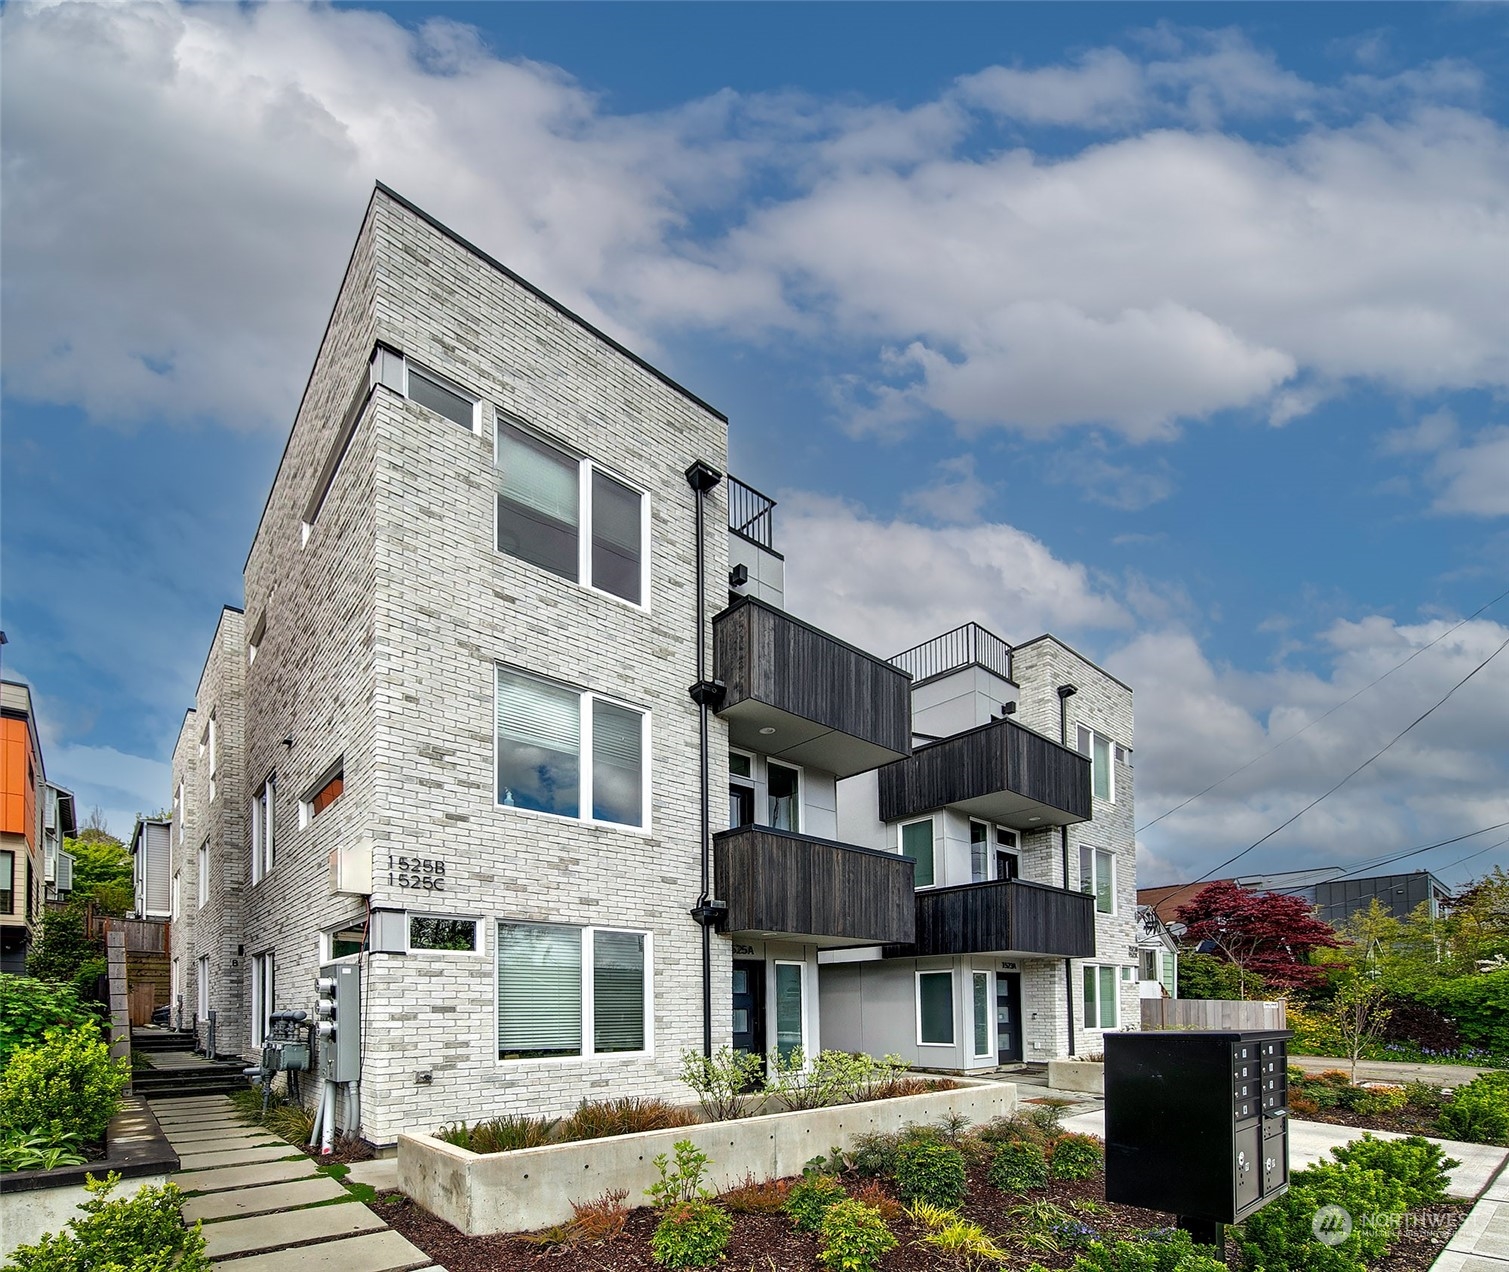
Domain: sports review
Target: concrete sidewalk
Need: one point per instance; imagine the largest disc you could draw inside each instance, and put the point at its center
(1442, 1075)
(264, 1204)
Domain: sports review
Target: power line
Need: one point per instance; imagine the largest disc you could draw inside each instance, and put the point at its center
(1471, 855)
(1326, 794)
(1375, 863)
(1319, 718)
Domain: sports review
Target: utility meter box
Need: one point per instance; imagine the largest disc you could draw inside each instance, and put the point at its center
(1197, 1122)
(338, 1021)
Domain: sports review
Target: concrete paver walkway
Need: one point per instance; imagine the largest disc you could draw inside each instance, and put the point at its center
(265, 1206)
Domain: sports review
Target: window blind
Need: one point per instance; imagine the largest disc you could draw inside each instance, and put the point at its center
(1105, 899)
(534, 713)
(618, 991)
(536, 475)
(1108, 998)
(539, 990)
(617, 770)
(615, 537)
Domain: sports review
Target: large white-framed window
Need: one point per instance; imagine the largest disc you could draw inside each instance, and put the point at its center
(790, 1008)
(980, 1004)
(1102, 773)
(264, 994)
(571, 752)
(935, 1009)
(1101, 996)
(202, 996)
(1097, 876)
(204, 873)
(783, 796)
(573, 992)
(917, 841)
(264, 809)
(566, 514)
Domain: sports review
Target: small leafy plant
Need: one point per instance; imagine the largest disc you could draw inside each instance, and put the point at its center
(500, 1134)
(680, 1181)
(757, 1197)
(1156, 1250)
(592, 1222)
(67, 1085)
(1478, 1112)
(810, 1198)
(691, 1234)
(143, 1232)
(930, 1172)
(1416, 1163)
(721, 1080)
(854, 1237)
(1074, 1157)
(624, 1116)
(1018, 1166)
(965, 1242)
(39, 1150)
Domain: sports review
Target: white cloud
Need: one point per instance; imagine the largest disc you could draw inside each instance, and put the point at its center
(1469, 474)
(955, 494)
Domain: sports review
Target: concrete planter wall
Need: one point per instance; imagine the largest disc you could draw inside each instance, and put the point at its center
(1077, 1075)
(34, 1202)
(534, 1187)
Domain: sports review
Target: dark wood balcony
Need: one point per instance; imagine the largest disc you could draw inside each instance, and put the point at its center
(1001, 771)
(777, 883)
(796, 692)
(1003, 916)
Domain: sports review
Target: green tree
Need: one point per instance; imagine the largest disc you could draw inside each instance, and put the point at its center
(66, 952)
(1205, 976)
(101, 871)
(1359, 1012)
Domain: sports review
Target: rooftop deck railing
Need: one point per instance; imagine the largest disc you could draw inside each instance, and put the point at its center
(963, 647)
(751, 514)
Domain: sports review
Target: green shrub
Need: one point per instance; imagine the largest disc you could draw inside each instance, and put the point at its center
(500, 1134)
(1479, 1004)
(30, 1007)
(854, 1237)
(143, 1233)
(930, 1172)
(1423, 1097)
(1280, 1237)
(39, 1150)
(680, 1180)
(1416, 1163)
(1074, 1157)
(810, 1198)
(721, 1080)
(1479, 1111)
(691, 1234)
(1157, 1250)
(1380, 1099)
(1018, 1166)
(966, 1243)
(69, 1085)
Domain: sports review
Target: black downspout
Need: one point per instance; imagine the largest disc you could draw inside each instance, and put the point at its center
(1065, 692)
(708, 695)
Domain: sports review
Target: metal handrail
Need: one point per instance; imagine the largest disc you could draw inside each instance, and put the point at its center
(750, 514)
(964, 646)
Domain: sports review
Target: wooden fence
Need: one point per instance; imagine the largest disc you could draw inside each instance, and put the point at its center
(143, 936)
(1212, 1013)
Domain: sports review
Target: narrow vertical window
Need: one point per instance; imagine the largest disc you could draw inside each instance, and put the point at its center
(917, 843)
(617, 764)
(789, 1009)
(202, 1006)
(784, 786)
(1108, 997)
(538, 495)
(982, 1013)
(204, 873)
(616, 534)
(1101, 768)
(979, 852)
(618, 991)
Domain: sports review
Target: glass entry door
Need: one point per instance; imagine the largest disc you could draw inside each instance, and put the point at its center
(1009, 1017)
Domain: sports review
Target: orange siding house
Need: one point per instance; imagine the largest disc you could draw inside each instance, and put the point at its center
(21, 868)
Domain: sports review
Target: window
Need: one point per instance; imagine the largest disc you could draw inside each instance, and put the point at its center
(979, 852)
(569, 752)
(263, 819)
(935, 1009)
(982, 1013)
(173, 908)
(328, 789)
(546, 495)
(1148, 959)
(202, 997)
(178, 810)
(1100, 997)
(348, 940)
(784, 788)
(568, 991)
(428, 389)
(790, 1010)
(1102, 776)
(7, 883)
(917, 843)
(264, 995)
(741, 789)
(1097, 876)
(1008, 861)
(259, 634)
(204, 873)
(433, 933)
(214, 750)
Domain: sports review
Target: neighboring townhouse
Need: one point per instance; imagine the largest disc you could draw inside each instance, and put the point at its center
(500, 660)
(210, 866)
(1336, 893)
(1158, 955)
(60, 823)
(153, 867)
(22, 786)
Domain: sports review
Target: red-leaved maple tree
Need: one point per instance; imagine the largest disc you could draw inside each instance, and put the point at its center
(1267, 935)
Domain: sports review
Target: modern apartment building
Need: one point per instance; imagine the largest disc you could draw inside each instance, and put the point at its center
(498, 664)
(60, 823)
(22, 785)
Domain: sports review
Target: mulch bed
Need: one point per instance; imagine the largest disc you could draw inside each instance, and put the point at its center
(768, 1243)
(1405, 1121)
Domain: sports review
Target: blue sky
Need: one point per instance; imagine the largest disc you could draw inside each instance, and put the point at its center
(1176, 330)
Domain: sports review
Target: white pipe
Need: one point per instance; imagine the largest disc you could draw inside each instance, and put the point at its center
(328, 1141)
(319, 1119)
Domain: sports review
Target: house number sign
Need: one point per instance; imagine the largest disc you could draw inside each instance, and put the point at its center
(423, 874)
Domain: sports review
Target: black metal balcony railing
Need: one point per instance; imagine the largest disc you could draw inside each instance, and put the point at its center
(751, 514)
(1005, 915)
(778, 881)
(966, 646)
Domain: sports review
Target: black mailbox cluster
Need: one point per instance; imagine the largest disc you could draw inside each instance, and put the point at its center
(1197, 1121)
